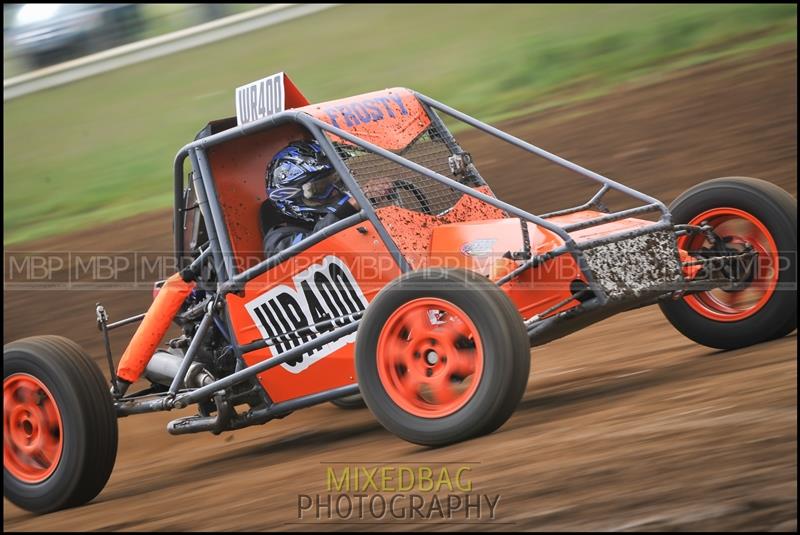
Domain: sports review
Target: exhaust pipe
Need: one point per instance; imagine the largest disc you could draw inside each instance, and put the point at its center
(195, 424)
(164, 366)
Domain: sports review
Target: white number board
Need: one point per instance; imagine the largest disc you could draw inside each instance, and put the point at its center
(260, 99)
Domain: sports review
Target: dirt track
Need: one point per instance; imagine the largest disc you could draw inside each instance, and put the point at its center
(625, 425)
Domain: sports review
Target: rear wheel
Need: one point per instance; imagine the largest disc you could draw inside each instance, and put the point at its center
(59, 425)
(747, 214)
(442, 356)
(350, 402)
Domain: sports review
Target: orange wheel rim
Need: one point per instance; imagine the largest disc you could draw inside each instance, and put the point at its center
(739, 229)
(32, 429)
(430, 357)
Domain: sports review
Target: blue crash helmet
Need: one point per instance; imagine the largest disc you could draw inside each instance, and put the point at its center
(302, 183)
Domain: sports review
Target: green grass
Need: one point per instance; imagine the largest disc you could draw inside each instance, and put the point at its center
(165, 18)
(101, 149)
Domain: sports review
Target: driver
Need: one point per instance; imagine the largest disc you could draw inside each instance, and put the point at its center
(303, 186)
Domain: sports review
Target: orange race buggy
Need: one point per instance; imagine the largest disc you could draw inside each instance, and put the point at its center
(425, 302)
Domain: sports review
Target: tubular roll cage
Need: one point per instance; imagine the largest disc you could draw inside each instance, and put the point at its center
(229, 280)
(220, 242)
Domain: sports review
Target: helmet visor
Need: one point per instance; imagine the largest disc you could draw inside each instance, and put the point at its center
(322, 190)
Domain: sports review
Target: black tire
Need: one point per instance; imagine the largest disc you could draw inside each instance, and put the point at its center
(777, 211)
(350, 403)
(506, 356)
(89, 420)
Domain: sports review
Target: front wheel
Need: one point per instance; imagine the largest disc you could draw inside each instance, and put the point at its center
(747, 214)
(442, 355)
(59, 425)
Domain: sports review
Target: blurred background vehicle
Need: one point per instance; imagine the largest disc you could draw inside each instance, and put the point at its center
(37, 35)
(43, 34)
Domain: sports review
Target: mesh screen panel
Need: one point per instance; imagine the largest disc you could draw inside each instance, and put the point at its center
(387, 183)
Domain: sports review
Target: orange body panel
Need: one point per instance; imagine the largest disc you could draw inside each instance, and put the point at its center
(239, 168)
(480, 246)
(153, 327)
(337, 276)
(293, 97)
(412, 231)
(390, 119)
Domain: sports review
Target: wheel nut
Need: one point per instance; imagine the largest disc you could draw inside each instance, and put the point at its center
(429, 372)
(431, 358)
